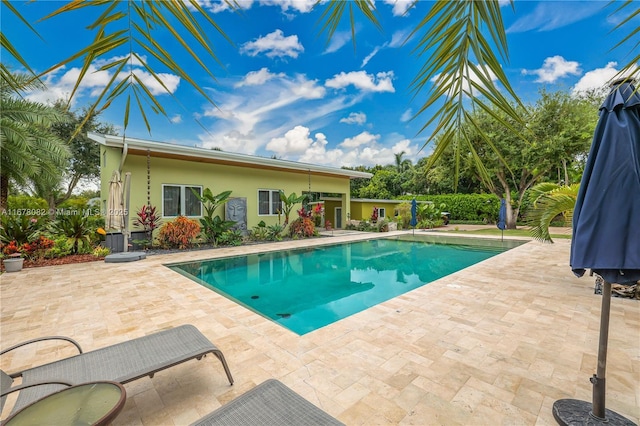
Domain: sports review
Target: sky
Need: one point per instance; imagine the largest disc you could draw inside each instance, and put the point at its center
(282, 89)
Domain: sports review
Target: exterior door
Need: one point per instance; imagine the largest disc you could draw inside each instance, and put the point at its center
(338, 217)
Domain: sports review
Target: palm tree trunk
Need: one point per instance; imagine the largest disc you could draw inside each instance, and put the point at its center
(4, 192)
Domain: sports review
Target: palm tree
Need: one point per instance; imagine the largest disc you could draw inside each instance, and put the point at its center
(463, 42)
(549, 200)
(29, 150)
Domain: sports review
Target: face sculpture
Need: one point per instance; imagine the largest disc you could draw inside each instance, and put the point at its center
(236, 211)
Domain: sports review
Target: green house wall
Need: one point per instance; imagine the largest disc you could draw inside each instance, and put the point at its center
(243, 181)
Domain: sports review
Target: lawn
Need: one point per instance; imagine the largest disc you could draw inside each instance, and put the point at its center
(507, 232)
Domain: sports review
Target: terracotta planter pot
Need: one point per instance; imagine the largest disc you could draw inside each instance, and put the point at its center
(13, 265)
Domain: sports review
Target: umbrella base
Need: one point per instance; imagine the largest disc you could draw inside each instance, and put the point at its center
(573, 412)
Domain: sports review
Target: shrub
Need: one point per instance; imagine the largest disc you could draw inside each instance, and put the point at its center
(179, 233)
(148, 219)
(20, 228)
(76, 228)
(231, 237)
(383, 225)
(259, 232)
(60, 248)
(302, 227)
(22, 202)
(101, 251)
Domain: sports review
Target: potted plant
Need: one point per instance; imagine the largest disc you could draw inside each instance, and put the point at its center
(13, 262)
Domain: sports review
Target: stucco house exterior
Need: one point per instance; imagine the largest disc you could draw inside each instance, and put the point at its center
(164, 175)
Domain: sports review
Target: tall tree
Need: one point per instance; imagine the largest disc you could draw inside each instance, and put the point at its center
(84, 159)
(560, 130)
(29, 150)
(464, 44)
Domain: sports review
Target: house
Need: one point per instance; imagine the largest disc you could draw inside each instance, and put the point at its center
(362, 208)
(164, 175)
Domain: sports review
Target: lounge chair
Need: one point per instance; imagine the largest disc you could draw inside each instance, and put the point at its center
(122, 362)
(269, 403)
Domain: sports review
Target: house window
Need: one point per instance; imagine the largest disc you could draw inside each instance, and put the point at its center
(382, 212)
(179, 200)
(269, 203)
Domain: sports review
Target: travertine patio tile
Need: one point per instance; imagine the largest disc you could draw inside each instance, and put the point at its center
(494, 344)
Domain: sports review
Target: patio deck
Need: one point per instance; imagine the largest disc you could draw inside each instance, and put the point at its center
(496, 343)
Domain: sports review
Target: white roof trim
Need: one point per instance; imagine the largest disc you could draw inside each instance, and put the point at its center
(189, 151)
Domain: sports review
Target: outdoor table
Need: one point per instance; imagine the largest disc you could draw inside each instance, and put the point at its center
(95, 403)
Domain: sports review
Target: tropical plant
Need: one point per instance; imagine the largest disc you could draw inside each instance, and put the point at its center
(274, 232)
(259, 232)
(20, 228)
(231, 237)
(101, 251)
(288, 202)
(77, 230)
(430, 215)
(302, 227)
(549, 200)
(374, 215)
(179, 233)
(464, 43)
(148, 219)
(29, 150)
(213, 226)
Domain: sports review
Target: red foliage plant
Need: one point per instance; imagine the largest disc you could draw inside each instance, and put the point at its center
(302, 227)
(34, 249)
(179, 233)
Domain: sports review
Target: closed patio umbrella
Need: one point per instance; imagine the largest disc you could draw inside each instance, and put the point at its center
(502, 216)
(114, 219)
(414, 214)
(606, 230)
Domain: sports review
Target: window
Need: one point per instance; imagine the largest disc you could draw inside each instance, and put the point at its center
(382, 212)
(269, 202)
(179, 200)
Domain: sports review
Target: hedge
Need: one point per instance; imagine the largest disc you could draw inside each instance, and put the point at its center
(466, 207)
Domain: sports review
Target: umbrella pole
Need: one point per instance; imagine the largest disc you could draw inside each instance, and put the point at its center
(598, 379)
(569, 412)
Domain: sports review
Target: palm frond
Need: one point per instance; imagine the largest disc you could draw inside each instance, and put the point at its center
(552, 200)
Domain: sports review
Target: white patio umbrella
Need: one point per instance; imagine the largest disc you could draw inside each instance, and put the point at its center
(114, 216)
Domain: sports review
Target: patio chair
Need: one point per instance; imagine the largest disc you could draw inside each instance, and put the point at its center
(269, 403)
(122, 362)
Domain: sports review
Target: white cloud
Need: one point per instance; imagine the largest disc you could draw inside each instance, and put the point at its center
(363, 138)
(355, 118)
(307, 89)
(363, 149)
(256, 78)
(176, 119)
(338, 40)
(381, 82)
(595, 79)
(274, 44)
(373, 53)
(302, 6)
(296, 141)
(551, 15)
(406, 116)
(553, 68)
(60, 86)
(248, 117)
(400, 7)
(398, 38)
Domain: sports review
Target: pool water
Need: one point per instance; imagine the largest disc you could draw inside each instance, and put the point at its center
(306, 289)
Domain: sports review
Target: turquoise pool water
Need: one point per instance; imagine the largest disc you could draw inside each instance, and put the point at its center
(307, 289)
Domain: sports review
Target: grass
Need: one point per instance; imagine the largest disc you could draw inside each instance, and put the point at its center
(508, 233)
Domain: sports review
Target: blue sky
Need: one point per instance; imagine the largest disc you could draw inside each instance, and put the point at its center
(283, 90)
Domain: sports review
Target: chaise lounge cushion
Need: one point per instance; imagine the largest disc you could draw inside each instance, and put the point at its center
(269, 403)
(122, 362)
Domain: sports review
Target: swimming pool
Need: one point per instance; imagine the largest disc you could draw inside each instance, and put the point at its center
(306, 289)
